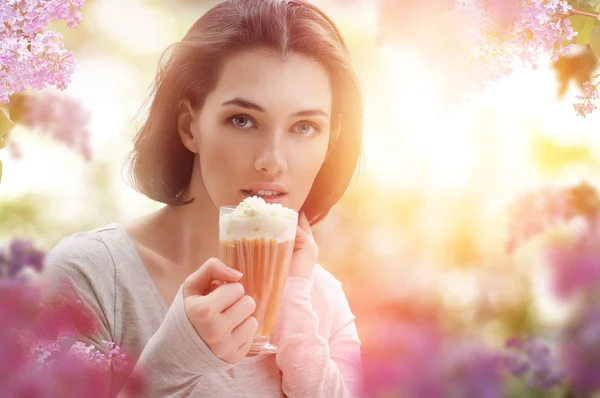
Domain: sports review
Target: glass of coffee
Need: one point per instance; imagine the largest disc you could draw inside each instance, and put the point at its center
(257, 239)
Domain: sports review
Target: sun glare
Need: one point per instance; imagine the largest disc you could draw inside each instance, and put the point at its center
(410, 137)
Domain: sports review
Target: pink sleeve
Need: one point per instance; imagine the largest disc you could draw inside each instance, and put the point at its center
(312, 366)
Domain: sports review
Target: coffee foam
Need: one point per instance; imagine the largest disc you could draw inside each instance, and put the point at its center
(254, 218)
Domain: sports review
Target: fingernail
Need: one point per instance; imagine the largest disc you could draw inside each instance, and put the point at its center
(234, 272)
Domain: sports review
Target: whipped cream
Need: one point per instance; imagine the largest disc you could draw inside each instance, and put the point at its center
(254, 218)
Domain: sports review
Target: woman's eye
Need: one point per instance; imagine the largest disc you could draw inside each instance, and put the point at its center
(305, 129)
(242, 122)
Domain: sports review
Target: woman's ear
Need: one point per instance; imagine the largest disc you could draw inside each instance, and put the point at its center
(185, 122)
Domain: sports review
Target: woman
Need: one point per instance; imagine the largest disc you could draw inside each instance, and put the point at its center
(259, 98)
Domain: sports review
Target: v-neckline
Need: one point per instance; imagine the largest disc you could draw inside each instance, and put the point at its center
(142, 267)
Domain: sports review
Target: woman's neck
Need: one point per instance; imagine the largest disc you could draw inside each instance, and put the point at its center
(186, 235)
(190, 232)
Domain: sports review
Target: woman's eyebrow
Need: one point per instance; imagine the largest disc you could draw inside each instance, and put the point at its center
(243, 103)
(311, 112)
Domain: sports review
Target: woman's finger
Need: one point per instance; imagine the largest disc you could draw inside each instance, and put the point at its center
(302, 237)
(304, 224)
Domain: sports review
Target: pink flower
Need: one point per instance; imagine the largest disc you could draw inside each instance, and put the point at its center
(414, 359)
(507, 33)
(580, 351)
(532, 359)
(586, 106)
(62, 118)
(115, 356)
(14, 149)
(33, 362)
(19, 255)
(574, 269)
(91, 356)
(547, 207)
(42, 351)
(31, 56)
(39, 352)
(535, 211)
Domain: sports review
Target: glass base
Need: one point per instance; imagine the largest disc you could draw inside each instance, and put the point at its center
(261, 345)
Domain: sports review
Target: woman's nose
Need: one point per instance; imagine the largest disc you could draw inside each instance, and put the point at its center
(271, 159)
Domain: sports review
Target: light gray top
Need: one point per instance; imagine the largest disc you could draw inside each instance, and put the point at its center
(318, 351)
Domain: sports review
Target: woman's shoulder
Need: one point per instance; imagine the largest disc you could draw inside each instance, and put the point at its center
(326, 288)
(323, 278)
(82, 266)
(85, 254)
(87, 245)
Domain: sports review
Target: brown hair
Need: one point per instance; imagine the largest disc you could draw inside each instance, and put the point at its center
(161, 166)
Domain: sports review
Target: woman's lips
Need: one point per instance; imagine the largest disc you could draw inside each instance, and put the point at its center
(266, 195)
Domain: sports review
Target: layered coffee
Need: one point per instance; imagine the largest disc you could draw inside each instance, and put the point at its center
(257, 239)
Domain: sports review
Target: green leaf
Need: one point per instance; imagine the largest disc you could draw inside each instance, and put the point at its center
(595, 40)
(583, 26)
(17, 106)
(582, 5)
(21, 213)
(585, 5)
(6, 125)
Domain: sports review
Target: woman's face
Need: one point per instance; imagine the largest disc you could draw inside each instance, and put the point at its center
(264, 130)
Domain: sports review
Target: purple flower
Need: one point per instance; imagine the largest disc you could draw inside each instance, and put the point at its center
(507, 33)
(62, 118)
(64, 378)
(472, 371)
(43, 351)
(21, 254)
(31, 56)
(14, 149)
(414, 359)
(33, 362)
(535, 211)
(400, 359)
(580, 350)
(585, 106)
(91, 356)
(574, 269)
(532, 359)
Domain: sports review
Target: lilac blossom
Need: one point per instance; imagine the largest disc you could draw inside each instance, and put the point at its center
(538, 210)
(509, 33)
(20, 255)
(580, 350)
(416, 360)
(532, 359)
(62, 118)
(33, 361)
(585, 106)
(40, 354)
(30, 55)
(535, 211)
(574, 268)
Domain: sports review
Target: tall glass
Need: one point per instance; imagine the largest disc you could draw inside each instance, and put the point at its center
(260, 247)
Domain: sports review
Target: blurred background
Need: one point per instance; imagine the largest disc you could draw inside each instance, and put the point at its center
(421, 232)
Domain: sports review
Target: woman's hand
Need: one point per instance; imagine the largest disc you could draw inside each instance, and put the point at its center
(306, 250)
(222, 316)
